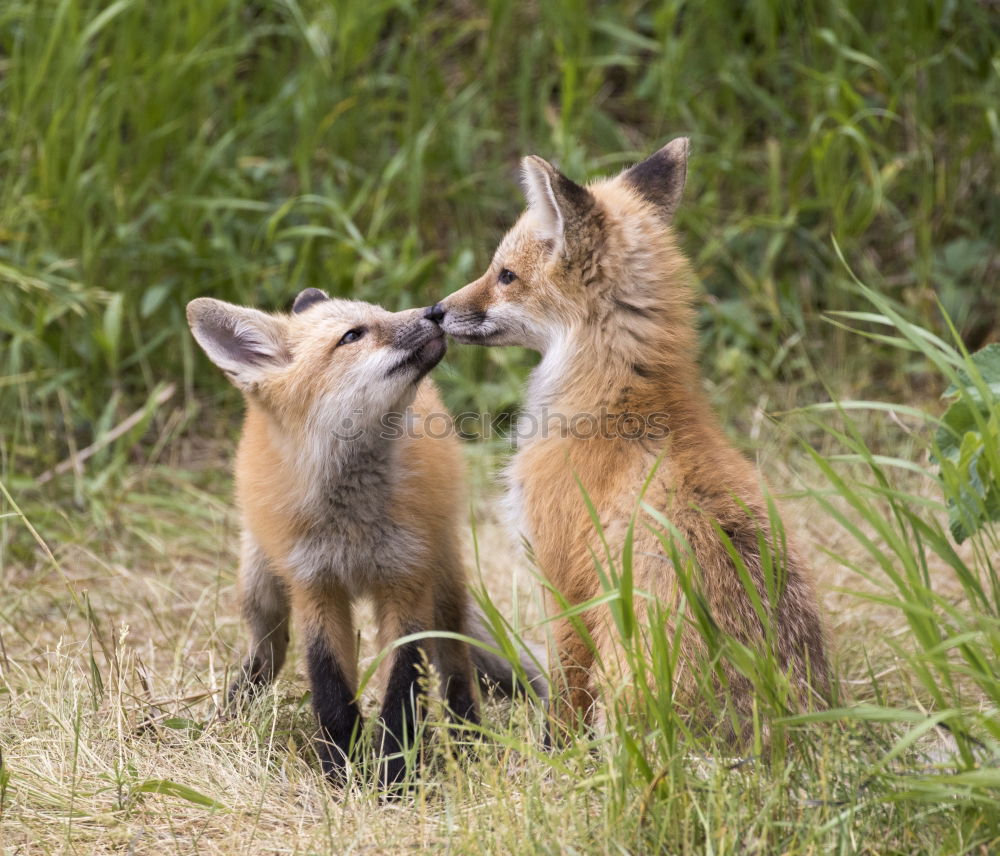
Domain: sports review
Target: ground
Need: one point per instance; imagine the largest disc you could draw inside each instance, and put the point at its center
(117, 649)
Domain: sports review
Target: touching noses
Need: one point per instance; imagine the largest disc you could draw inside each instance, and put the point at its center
(434, 313)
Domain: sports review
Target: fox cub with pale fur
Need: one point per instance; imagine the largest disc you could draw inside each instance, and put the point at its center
(593, 278)
(337, 503)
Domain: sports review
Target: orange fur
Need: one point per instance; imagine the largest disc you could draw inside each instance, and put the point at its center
(337, 503)
(593, 279)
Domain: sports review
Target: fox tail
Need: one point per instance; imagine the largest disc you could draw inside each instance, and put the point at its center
(497, 673)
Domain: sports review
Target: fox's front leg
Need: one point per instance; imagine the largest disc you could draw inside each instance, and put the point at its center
(453, 661)
(265, 607)
(401, 612)
(331, 660)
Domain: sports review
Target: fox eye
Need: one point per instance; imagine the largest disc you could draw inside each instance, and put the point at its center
(352, 336)
(506, 277)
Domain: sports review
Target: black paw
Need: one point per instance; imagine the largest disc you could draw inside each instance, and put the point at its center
(392, 776)
(248, 682)
(333, 763)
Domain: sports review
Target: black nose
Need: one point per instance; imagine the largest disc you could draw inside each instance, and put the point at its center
(434, 313)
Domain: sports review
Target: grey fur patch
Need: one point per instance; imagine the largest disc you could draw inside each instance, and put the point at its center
(496, 672)
(354, 543)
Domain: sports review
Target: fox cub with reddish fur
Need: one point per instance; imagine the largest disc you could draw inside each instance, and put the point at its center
(335, 507)
(593, 278)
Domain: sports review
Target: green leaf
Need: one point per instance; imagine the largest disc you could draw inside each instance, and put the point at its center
(175, 789)
(111, 330)
(968, 445)
(153, 298)
(181, 723)
(987, 362)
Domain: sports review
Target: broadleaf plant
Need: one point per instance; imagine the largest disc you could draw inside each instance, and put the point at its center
(968, 445)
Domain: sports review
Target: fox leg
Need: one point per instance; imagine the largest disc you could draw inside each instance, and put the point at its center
(572, 697)
(265, 607)
(399, 612)
(332, 664)
(453, 660)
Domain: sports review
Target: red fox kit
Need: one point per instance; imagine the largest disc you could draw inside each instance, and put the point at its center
(334, 507)
(593, 279)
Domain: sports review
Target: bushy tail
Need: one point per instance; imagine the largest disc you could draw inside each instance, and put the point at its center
(497, 673)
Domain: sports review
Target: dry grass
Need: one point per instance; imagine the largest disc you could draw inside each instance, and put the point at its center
(114, 659)
(115, 655)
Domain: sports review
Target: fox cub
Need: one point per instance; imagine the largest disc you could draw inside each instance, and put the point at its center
(335, 507)
(592, 277)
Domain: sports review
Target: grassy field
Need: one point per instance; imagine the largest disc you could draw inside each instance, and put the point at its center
(151, 153)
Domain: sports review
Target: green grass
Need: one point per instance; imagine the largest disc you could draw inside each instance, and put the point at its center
(154, 152)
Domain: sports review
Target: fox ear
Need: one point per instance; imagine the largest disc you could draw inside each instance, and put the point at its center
(307, 298)
(558, 204)
(660, 177)
(243, 342)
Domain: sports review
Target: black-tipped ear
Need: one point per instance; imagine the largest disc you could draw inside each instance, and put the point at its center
(307, 298)
(660, 177)
(558, 203)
